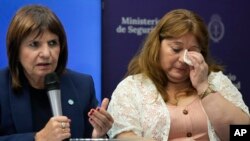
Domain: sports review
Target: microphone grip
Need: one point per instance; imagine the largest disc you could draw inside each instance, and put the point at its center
(55, 102)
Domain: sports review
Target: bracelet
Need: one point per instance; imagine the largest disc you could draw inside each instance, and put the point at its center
(208, 91)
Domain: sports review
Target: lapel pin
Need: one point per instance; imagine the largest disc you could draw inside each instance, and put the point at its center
(71, 102)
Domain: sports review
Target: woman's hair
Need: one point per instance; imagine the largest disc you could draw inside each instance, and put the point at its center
(174, 24)
(27, 20)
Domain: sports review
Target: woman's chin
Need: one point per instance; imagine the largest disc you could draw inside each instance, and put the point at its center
(177, 79)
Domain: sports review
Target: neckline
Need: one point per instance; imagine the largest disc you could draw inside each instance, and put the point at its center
(182, 106)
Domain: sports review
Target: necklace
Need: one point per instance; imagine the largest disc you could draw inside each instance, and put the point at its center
(176, 99)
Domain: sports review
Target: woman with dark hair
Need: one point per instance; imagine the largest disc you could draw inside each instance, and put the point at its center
(174, 90)
(37, 46)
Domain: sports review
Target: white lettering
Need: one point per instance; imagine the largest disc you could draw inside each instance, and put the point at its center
(237, 132)
(243, 131)
(121, 29)
(138, 21)
(139, 30)
(240, 132)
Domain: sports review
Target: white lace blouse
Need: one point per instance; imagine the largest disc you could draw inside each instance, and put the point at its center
(137, 106)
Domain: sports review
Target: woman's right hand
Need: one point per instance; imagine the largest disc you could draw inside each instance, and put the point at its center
(56, 129)
(198, 72)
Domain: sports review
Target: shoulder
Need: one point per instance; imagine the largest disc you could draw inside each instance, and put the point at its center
(5, 81)
(219, 81)
(4, 75)
(4, 72)
(218, 78)
(78, 79)
(135, 80)
(213, 75)
(77, 76)
(139, 85)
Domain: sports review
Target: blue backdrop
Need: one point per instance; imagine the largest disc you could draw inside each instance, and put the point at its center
(228, 22)
(82, 23)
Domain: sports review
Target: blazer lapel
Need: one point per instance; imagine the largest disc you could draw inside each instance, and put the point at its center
(71, 106)
(21, 110)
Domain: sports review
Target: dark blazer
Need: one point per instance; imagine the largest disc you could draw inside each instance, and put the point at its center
(15, 108)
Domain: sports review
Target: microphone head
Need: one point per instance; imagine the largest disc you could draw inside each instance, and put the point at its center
(51, 81)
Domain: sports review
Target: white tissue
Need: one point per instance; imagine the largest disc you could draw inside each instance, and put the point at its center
(186, 58)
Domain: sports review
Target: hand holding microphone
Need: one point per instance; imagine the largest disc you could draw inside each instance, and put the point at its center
(58, 127)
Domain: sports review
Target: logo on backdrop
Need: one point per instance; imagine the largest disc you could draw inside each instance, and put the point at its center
(216, 28)
(137, 26)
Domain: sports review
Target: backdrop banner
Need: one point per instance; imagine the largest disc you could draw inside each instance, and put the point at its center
(125, 24)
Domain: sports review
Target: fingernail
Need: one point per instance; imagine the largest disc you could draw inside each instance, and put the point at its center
(91, 111)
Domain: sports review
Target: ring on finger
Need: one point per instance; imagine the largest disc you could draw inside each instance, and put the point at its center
(63, 125)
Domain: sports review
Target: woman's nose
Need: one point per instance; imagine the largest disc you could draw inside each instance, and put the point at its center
(181, 56)
(45, 51)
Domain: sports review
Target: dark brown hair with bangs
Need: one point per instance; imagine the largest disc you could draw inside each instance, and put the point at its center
(27, 20)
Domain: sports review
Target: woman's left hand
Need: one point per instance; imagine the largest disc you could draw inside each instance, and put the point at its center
(100, 119)
(198, 72)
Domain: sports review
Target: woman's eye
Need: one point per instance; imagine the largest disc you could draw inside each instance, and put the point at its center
(53, 43)
(34, 44)
(176, 50)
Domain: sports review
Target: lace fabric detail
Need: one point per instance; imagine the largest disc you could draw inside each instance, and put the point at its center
(222, 84)
(137, 106)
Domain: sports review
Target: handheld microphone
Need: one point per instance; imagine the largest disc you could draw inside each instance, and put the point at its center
(52, 86)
